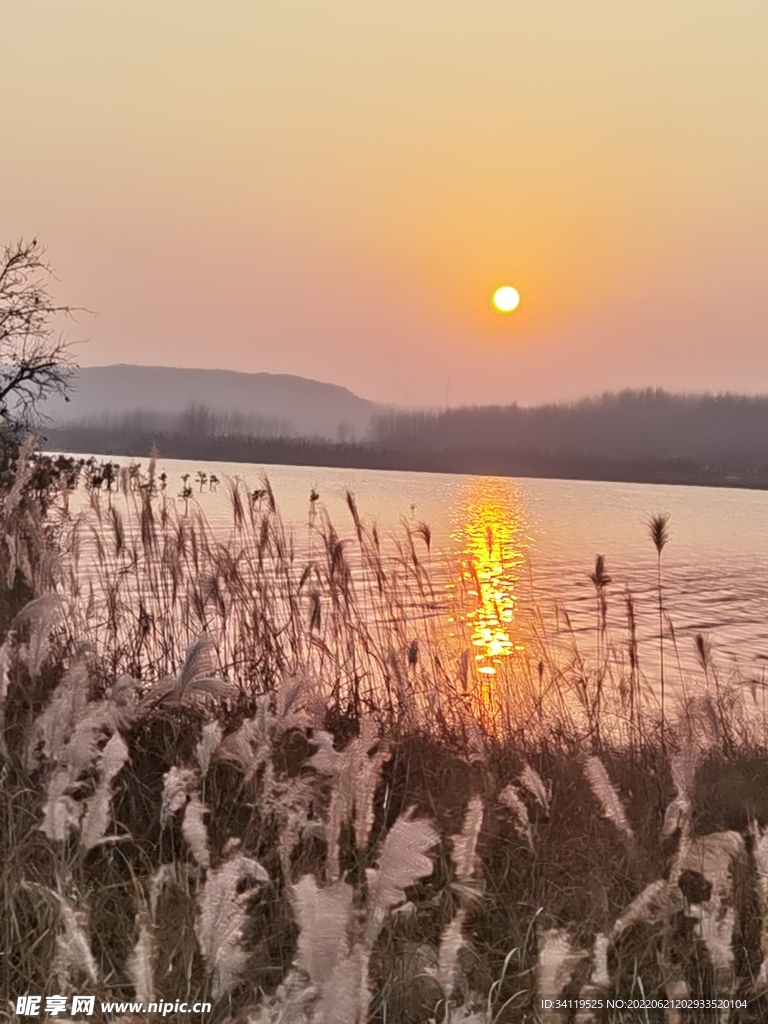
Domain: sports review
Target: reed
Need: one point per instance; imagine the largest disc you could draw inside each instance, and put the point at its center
(238, 772)
(600, 580)
(658, 528)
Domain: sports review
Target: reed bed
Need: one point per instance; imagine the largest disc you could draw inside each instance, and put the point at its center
(144, 575)
(262, 777)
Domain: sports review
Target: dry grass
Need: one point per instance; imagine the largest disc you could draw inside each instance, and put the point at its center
(235, 773)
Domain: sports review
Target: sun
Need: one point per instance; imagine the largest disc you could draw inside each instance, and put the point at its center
(506, 299)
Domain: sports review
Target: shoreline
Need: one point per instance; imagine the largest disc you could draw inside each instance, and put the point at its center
(348, 455)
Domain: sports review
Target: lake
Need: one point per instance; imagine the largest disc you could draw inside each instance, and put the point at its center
(517, 545)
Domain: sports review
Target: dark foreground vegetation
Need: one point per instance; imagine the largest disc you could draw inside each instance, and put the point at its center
(641, 436)
(238, 773)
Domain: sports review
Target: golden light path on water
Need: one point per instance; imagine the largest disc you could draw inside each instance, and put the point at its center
(492, 539)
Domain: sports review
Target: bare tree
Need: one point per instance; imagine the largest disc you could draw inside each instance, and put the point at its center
(35, 359)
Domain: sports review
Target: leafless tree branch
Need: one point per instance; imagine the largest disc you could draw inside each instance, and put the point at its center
(35, 360)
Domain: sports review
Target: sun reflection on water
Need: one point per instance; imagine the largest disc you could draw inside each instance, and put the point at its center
(492, 542)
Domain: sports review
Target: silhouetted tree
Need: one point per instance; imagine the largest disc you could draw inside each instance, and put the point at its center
(35, 360)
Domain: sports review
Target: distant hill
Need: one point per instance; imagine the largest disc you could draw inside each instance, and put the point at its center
(274, 404)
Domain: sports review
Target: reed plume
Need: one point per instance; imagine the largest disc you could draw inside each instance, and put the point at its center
(600, 580)
(608, 797)
(223, 901)
(658, 529)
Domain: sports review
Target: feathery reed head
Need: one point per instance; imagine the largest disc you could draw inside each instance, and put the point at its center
(658, 528)
(600, 577)
(703, 648)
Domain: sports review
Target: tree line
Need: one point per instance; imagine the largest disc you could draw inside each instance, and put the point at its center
(643, 436)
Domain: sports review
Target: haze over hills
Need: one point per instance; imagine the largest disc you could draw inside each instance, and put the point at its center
(266, 418)
(264, 403)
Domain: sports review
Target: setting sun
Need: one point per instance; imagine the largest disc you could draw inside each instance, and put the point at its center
(506, 299)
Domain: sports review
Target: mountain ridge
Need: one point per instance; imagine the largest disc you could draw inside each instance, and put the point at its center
(288, 403)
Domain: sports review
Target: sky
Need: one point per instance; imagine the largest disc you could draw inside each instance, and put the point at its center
(336, 189)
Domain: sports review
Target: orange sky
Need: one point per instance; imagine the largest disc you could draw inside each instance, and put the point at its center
(335, 189)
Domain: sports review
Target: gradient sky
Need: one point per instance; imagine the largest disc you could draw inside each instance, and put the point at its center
(335, 189)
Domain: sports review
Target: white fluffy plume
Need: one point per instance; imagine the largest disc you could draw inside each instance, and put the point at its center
(465, 862)
(74, 959)
(40, 616)
(607, 797)
(181, 788)
(532, 783)
(717, 858)
(465, 843)
(140, 965)
(324, 917)
(355, 771)
(5, 665)
(223, 903)
(98, 807)
(208, 745)
(678, 813)
(79, 739)
(558, 959)
(511, 799)
(336, 939)
(402, 862)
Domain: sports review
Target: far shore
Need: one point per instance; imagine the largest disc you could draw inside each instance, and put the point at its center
(370, 455)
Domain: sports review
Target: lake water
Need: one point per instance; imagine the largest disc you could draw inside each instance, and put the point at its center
(514, 544)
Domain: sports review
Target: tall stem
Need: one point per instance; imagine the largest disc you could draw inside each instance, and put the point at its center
(661, 651)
